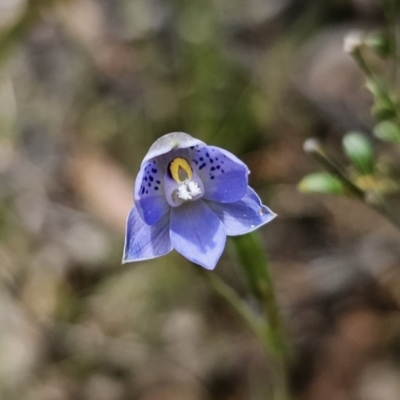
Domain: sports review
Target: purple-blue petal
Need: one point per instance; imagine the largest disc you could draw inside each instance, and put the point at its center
(143, 242)
(224, 176)
(243, 216)
(197, 233)
(149, 193)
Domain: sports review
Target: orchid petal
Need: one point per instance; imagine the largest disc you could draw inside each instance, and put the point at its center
(243, 216)
(171, 141)
(197, 233)
(224, 176)
(143, 242)
(149, 193)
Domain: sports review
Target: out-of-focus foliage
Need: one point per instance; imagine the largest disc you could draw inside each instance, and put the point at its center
(85, 87)
(359, 151)
(321, 182)
(387, 131)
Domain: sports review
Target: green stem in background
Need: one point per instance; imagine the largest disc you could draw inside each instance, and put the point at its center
(369, 197)
(256, 267)
(380, 90)
(390, 9)
(385, 96)
(313, 147)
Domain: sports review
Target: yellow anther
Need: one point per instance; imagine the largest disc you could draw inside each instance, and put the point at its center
(180, 170)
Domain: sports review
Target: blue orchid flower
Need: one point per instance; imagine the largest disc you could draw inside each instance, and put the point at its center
(189, 197)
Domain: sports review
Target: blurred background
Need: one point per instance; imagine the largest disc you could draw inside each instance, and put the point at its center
(86, 86)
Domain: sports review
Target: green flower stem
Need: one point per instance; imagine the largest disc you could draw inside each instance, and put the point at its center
(257, 325)
(257, 269)
(225, 291)
(269, 329)
(369, 197)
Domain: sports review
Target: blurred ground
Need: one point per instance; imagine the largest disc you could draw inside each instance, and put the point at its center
(85, 87)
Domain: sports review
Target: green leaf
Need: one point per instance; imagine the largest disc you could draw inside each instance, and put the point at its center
(359, 151)
(387, 131)
(321, 182)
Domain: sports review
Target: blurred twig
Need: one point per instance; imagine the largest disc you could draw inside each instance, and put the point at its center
(369, 197)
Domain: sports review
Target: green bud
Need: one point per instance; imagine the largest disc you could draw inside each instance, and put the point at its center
(321, 182)
(359, 151)
(388, 131)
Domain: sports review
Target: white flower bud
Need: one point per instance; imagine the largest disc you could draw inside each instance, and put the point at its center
(353, 40)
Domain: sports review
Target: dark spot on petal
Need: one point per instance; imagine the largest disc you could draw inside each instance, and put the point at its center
(191, 147)
(202, 166)
(207, 155)
(145, 178)
(147, 192)
(218, 166)
(211, 160)
(201, 159)
(154, 171)
(149, 185)
(158, 182)
(142, 190)
(212, 177)
(151, 178)
(222, 171)
(212, 169)
(155, 187)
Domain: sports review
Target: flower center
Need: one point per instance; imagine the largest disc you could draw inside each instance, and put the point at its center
(180, 170)
(188, 190)
(182, 173)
